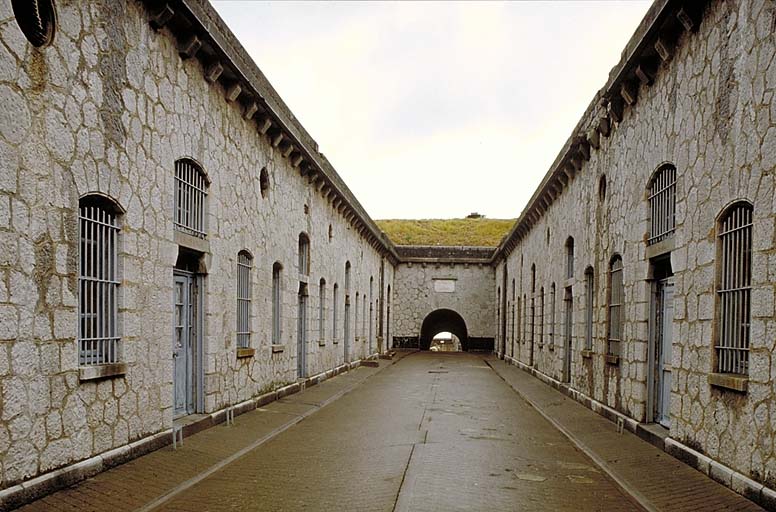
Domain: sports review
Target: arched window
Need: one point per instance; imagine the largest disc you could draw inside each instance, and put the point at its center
(569, 257)
(264, 182)
(616, 299)
(334, 308)
(602, 188)
(244, 295)
(662, 204)
(36, 19)
(322, 310)
(512, 310)
(191, 186)
(277, 302)
(347, 278)
(589, 294)
(98, 281)
(734, 288)
(356, 328)
(304, 254)
(371, 311)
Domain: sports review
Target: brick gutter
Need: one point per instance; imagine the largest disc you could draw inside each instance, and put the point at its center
(43, 485)
(715, 470)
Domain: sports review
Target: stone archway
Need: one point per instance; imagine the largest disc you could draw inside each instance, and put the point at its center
(443, 320)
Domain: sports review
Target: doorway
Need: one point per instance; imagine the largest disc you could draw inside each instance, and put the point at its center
(664, 322)
(301, 333)
(568, 311)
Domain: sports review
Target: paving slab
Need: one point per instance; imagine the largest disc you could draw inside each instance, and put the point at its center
(656, 479)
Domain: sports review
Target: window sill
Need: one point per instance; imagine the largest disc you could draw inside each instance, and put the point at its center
(245, 352)
(659, 248)
(276, 349)
(587, 354)
(612, 359)
(335, 342)
(101, 371)
(730, 381)
(321, 343)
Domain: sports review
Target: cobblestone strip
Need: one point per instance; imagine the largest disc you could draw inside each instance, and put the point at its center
(655, 479)
(151, 480)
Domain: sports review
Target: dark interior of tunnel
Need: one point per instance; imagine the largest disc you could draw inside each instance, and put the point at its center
(443, 320)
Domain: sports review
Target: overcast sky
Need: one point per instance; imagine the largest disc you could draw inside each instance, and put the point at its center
(435, 109)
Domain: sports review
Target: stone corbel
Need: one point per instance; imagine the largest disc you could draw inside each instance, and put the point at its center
(664, 47)
(593, 138)
(341, 207)
(160, 18)
(616, 107)
(646, 72)
(233, 92)
(213, 72)
(250, 110)
(190, 48)
(604, 125)
(287, 149)
(576, 164)
(314, 176)
(337, 201)
(296, 159)
(583, 148)
(278, 139)
(265, 123)
(689, 16)
(629, 92)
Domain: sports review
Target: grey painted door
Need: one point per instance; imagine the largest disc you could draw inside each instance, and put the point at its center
(567, 323)
(301, 335)
(347, 330)
(665, 354)
(184, 344)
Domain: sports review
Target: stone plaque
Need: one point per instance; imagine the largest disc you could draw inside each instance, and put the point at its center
(444, 285)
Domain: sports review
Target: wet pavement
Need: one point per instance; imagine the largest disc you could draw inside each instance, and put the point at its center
(432, 432)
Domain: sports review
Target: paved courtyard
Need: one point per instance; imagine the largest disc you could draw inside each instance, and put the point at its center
(432, 432)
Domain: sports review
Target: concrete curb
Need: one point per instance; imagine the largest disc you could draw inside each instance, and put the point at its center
(66, 476)
(737, 482)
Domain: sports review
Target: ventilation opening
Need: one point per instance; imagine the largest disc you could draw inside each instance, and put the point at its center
(37, 19)
(264, 182)
(602, 188)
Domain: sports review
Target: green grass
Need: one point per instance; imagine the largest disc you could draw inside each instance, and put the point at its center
(467, 232)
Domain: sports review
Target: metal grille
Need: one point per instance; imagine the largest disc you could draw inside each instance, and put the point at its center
(190, 198)
(334, 307)
(277, 287)
(616, 294)
(244, 266)
(734, 290)
(322, 311)
(304, 254)
(569, 258)
(662, 202)
(36, 20)
(98, 340)
(356, 328)
(519, 319)
(551, 339)
(589, 291)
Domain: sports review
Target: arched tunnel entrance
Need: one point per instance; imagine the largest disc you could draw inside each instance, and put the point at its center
(443, 320)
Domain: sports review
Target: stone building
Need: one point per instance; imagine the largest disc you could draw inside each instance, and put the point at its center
(173, 245)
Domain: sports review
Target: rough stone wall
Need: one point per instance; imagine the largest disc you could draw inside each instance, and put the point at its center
(415, 296)
(710, 112)
(108, 108)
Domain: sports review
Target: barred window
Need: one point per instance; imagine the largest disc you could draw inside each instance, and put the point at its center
(551, 339)
(334, 307)
(525, 319)
(569, 258)
(304, 254)
(98, 282)
(244, 266)
(322, 310)
(734, 288)
(616, 296)
(347, 278)
(356, 328)
(589, 291)
(277, 290)
(519, 320)
(662, 203)
(512, 311)
(191, 186)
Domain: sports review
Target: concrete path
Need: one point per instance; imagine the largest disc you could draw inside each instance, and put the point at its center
(432, 432)
(657, 480)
